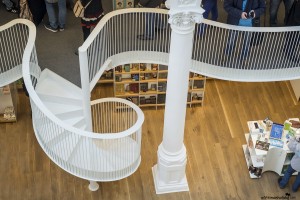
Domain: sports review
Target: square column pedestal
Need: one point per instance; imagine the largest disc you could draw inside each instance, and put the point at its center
(169, 174)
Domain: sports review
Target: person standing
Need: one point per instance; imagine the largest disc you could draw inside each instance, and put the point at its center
(210, 6)
(242, 13)
(294, 145)
(292, 38)
(274, 5)
(92, 14)
(56, 23)
(151, 19)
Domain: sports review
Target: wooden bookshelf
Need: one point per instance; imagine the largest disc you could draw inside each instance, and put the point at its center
(107, 77)
(9, 101)
(145, 84)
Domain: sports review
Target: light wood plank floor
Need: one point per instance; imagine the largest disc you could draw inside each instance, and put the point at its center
(214, 133)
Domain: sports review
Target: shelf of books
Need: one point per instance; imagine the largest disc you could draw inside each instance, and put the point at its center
(266, 148)
(145, 84)
(8, 105)
(107, 77)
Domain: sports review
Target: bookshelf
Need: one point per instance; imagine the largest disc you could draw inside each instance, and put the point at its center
(258, 161)
(9, 101)
(145, 84)
(107, 77)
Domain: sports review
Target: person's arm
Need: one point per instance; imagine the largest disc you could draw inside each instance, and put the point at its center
(232, 10)
(294, 145)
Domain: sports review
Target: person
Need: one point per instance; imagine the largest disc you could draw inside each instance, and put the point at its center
(242, 13)
(274, 5)
(292, 38)
(93, 13)
(294, 145)
(210, 6)
(10, 7)
(37, 8)
(56, 24)
(151, 19)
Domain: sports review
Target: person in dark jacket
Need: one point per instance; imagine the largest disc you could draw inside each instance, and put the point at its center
(293, 37)
(92, 15)
(242, 13)
(151, 19)
(210, 6)
(38, 10)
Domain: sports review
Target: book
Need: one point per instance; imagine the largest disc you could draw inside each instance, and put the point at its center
(144, 87)
(253, 126)
(127, 67)
(276, 131)
(134, 87)
(163, 67)
(276, 143)
(262, 145)
(154, 67)
(161, 98)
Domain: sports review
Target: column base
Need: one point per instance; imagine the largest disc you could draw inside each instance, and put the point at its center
(162, 188)
(93, 186)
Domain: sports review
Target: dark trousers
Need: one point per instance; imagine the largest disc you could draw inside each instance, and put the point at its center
(210, 6)
(86, 32)
(274, 5)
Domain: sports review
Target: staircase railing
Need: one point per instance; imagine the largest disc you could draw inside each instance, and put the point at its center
(13, 39)
(83, 153)
(270, 53)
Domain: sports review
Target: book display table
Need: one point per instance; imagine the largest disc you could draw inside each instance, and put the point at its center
(8, 105)
(264, 153)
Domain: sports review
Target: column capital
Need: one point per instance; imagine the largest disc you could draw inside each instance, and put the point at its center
(184, 13)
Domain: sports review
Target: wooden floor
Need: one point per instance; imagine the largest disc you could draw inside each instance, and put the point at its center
(214, 135)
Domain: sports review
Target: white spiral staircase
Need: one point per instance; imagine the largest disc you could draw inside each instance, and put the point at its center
(101, 140)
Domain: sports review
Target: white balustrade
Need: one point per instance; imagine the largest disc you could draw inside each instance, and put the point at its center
(13, 39)
(271, 56)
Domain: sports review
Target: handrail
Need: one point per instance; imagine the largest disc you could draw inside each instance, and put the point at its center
(114, 42)
(12, 45)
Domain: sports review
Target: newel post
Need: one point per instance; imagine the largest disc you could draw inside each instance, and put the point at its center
(86, 97)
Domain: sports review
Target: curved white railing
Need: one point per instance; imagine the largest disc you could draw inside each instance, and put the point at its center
(114, 42)
(13, 40)
(97, 157)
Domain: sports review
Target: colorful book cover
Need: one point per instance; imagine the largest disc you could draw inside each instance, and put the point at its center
(276, 143)
(262, 145)
(276, 131)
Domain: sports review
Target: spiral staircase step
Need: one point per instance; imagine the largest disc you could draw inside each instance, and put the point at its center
(52, 84)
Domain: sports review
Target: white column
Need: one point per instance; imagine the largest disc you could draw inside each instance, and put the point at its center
(169, 173)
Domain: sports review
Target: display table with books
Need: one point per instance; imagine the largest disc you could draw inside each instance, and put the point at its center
(266, 148)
